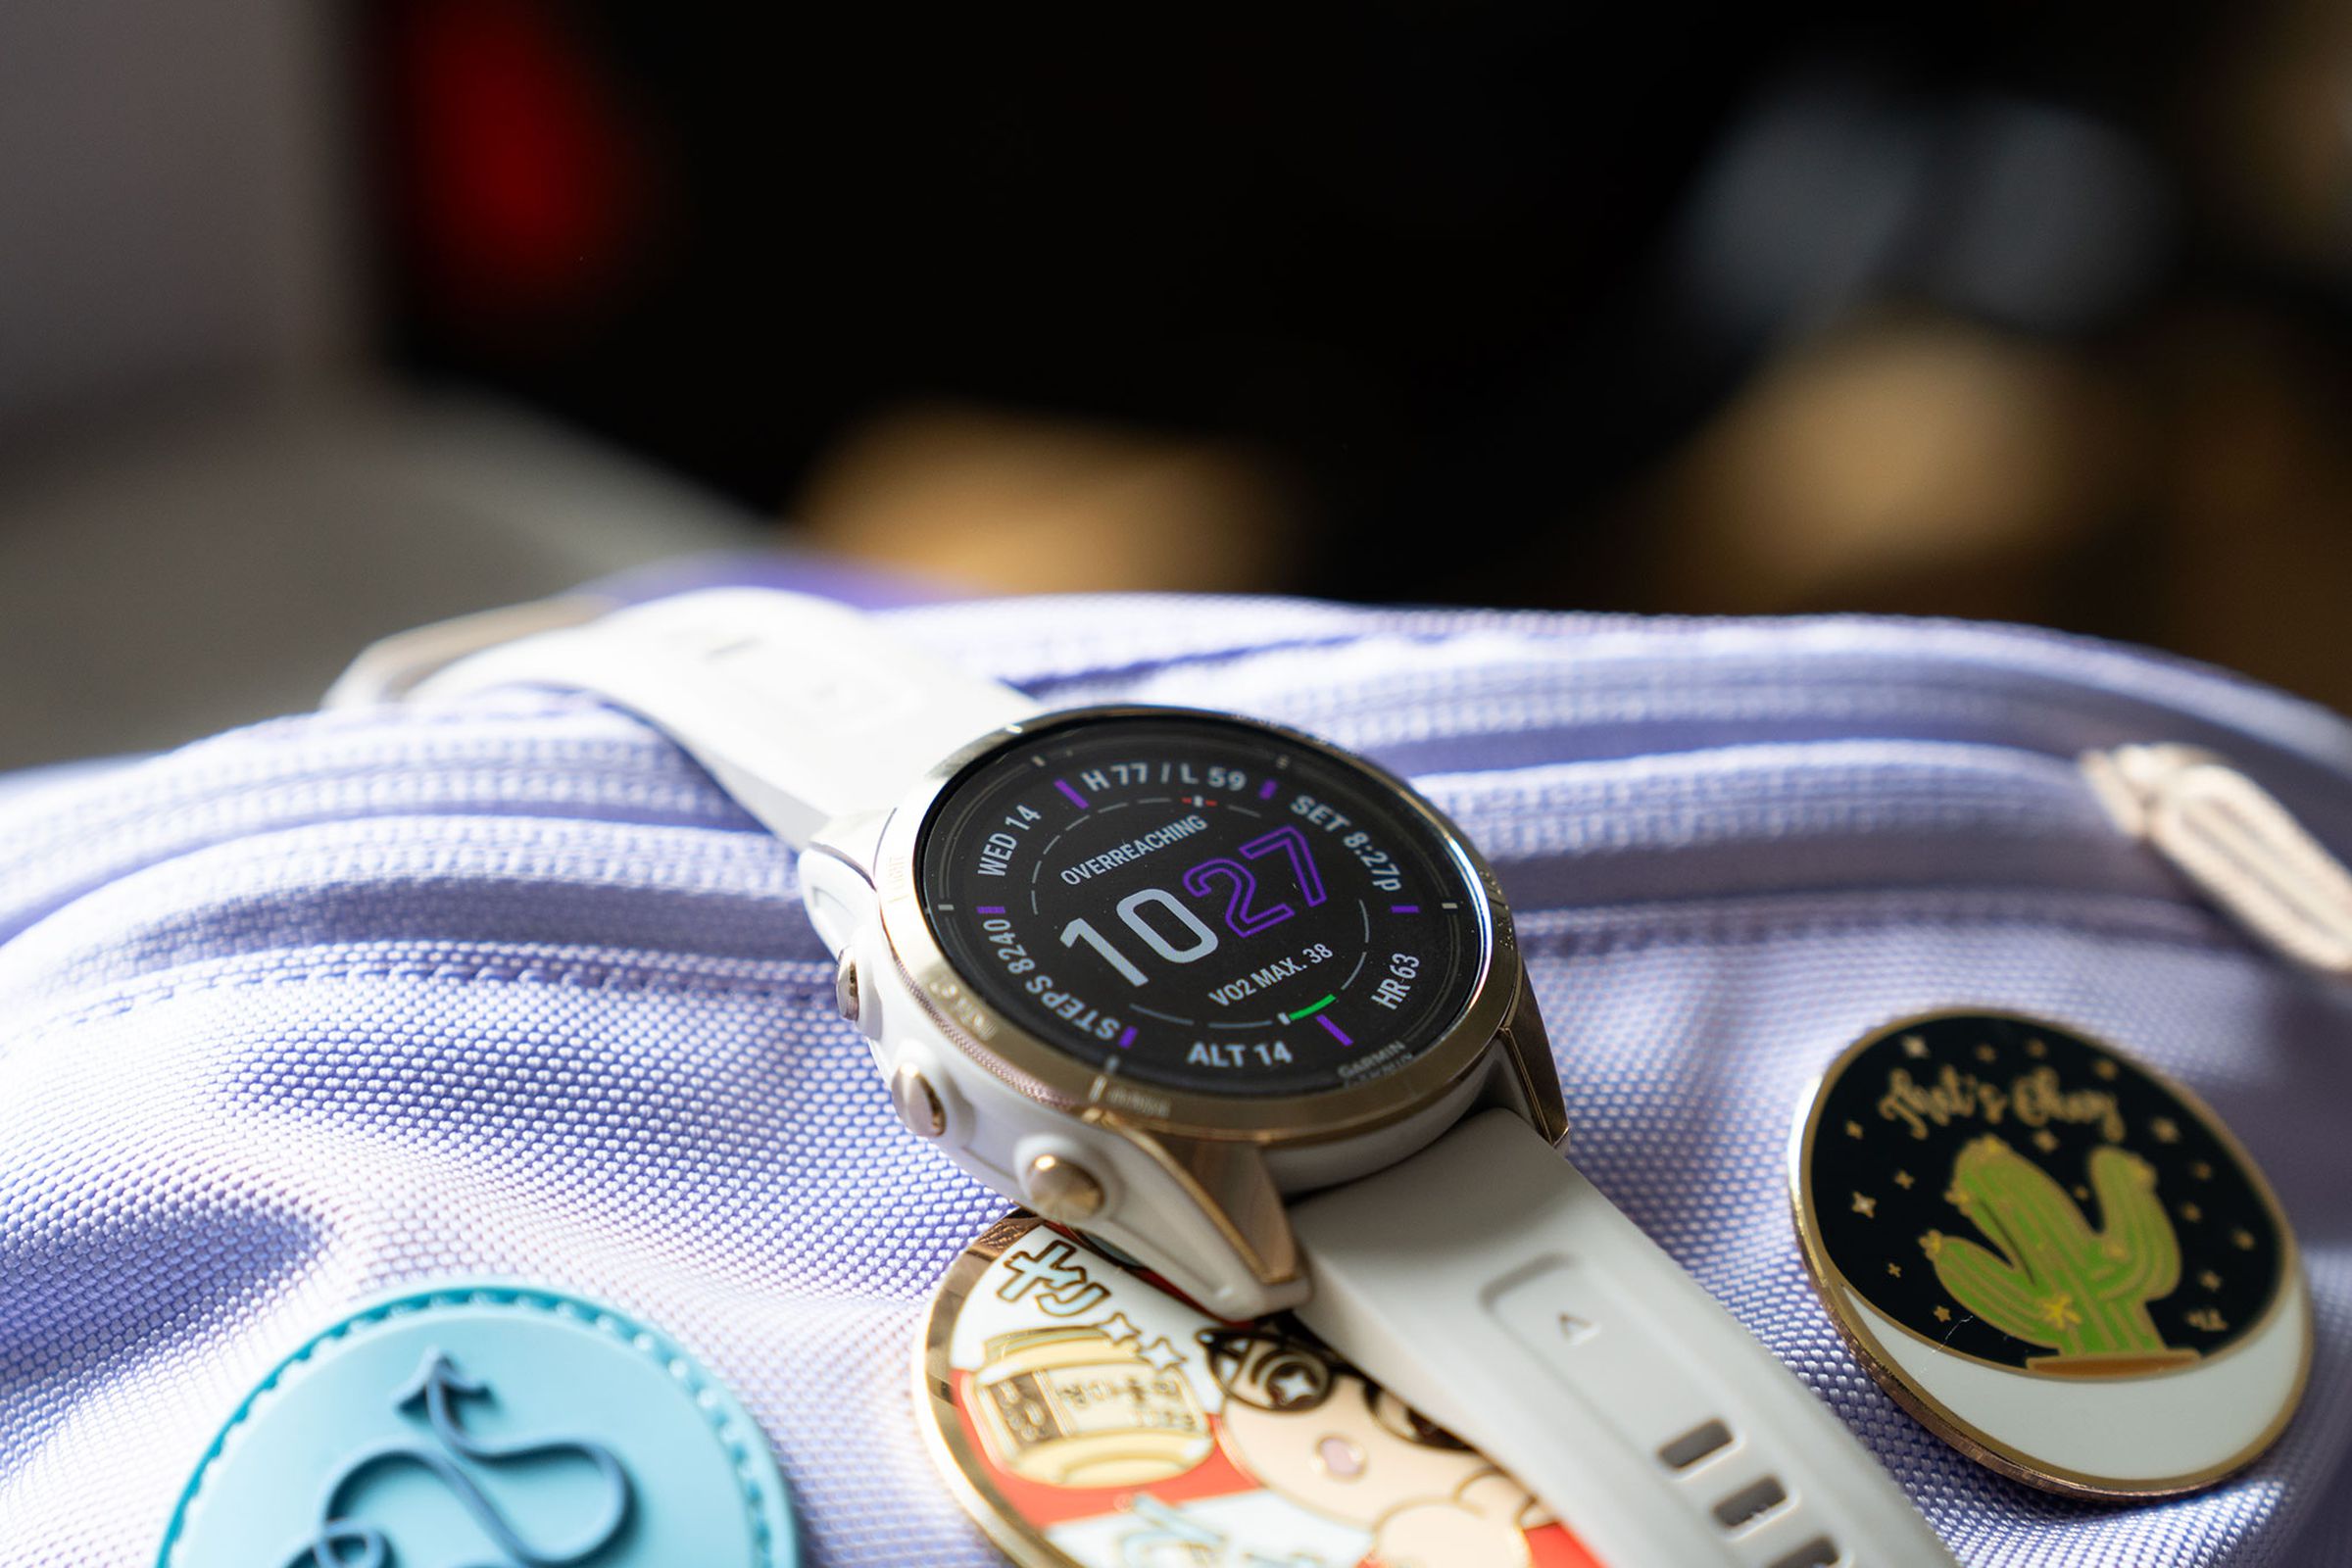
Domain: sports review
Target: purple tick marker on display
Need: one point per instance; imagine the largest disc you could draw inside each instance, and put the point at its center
(1265, 791)
(988, 908)
(1127, 1037)
(1336, 1033)
(1404, 908)
(1076, 799)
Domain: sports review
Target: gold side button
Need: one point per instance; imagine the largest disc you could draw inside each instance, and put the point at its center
(1061, 1191)
(846, 1000)
(917, 1104)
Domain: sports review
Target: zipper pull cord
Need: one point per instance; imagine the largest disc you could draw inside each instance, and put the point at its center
(2236, 842)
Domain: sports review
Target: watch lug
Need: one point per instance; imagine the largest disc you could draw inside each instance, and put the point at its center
(1233, 1188)
(837, 878)
(854, 840)
(1527, 1082)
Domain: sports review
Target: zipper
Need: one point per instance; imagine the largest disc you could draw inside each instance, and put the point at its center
(1676, 759)
(1639, 840)
(2236, 842)
(2157, 737)
(1616, 685)
(1759, 835)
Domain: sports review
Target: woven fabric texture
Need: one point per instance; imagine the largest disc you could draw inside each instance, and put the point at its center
(344, 1003)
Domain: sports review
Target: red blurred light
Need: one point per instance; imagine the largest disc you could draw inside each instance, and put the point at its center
(525, 186)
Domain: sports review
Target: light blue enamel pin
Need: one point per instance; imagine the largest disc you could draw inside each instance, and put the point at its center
(487, 1425)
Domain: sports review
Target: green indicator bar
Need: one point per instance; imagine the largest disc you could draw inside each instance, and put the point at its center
(1309, 1013)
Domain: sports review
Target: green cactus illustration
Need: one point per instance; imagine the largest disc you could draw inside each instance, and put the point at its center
(2049, 1279)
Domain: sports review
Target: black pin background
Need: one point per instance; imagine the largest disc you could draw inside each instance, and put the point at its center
(1862, 1246)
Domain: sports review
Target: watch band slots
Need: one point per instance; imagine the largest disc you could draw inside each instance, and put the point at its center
(1542, 1326)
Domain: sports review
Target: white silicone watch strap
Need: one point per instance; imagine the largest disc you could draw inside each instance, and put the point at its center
(1495, 1290)
(804, 709)
(1483, 1279)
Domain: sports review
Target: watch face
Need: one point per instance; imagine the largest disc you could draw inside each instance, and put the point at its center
(1204, 905)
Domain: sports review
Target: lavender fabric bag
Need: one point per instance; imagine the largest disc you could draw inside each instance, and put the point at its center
(344, 1003)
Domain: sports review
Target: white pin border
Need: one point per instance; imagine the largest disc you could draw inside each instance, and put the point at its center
(2117, 1439)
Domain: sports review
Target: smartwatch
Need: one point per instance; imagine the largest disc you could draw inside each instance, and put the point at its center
(1244, 1010)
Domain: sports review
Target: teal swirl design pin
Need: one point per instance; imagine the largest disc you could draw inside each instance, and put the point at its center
(485, 1426)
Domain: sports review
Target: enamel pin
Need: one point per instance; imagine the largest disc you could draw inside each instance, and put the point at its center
(2062, 1264)
(485, 1421)
(1088, 1418)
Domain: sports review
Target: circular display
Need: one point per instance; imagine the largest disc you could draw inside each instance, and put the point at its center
(1089, 1419)
(1202, 903)
(2060, 1261)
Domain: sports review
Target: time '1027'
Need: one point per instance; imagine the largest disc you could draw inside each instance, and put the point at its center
(1192, 940)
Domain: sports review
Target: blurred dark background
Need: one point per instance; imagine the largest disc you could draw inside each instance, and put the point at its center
(319, 321)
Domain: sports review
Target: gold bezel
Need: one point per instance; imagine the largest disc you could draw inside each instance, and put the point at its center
(1052, 1077)
(1982, 1447)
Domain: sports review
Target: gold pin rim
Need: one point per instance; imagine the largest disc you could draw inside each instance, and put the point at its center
(940, 1419)
(1829, 1280)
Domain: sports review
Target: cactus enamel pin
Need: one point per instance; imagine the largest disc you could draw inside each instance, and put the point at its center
(2062, 1264)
